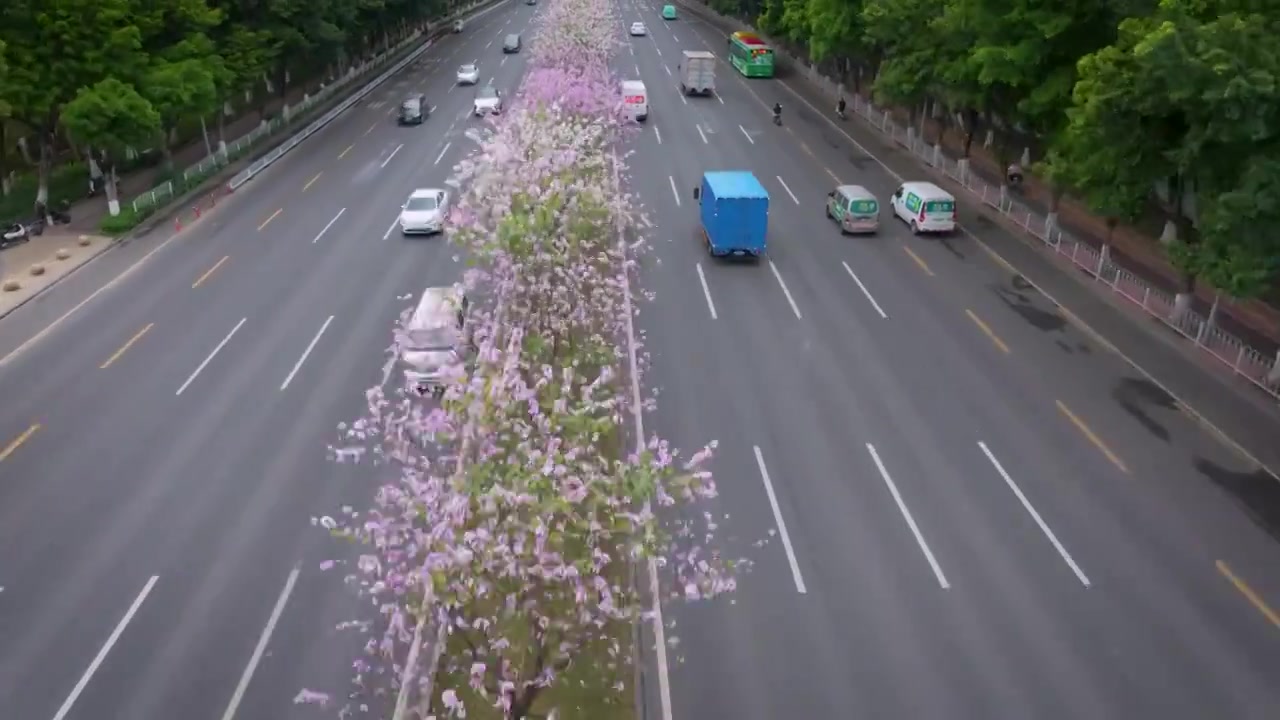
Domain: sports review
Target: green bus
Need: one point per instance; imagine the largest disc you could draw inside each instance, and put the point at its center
(751, 55)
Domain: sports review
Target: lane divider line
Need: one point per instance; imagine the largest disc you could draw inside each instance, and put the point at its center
(305, 354)
(312, 181)
(106, 648)
(261, 647)
(1092, 437)
(991, 334)
(1254, 599)
(919, 261)
(782, 525)
(17, 442)
(128, 344)
(864, 290)
(706, 291)
(392, 155)
(911, 521)
(347, 150)
(200, 280)
(211, 356)
(785, 291)
(1044, 527)
(268, 220)
(328, 225)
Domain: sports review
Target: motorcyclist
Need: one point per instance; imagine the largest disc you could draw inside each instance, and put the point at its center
(777, 112)
(1014, 174)
(840, 108)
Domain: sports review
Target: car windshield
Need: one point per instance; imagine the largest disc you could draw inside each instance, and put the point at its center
(467, 69)
(436, 338)
(513, 40)
(421, 203)
(486, 93)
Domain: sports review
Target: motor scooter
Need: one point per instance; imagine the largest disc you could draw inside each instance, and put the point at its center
(15, 234)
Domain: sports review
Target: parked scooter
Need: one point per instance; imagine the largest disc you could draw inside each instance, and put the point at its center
(15, 234)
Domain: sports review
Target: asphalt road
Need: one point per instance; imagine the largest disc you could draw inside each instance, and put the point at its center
(162, 450)
(969, 508)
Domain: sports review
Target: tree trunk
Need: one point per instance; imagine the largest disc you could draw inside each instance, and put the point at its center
(5, 187)
(71, 143)
(222, 132)
(44, 167)
(1112, 222)
(970, 128)
(166, 151)
(113, 192)
(1055, 199)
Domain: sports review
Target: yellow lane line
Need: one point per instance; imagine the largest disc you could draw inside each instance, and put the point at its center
(273, 217)
(918, 260)
(344, 152)
(1093, 437)
(1249, 594)
(312, 181)
(116, 355)
(987, 329)
(211, 270)
(11, 447)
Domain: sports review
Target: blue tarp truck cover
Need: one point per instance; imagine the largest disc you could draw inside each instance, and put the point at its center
(735, 213)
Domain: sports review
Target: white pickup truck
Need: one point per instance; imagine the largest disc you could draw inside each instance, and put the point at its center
(698, 73)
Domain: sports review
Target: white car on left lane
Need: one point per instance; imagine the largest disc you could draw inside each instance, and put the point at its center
(424, 212)
(468, 75)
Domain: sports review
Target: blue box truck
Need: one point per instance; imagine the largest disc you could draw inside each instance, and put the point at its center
(734, 213)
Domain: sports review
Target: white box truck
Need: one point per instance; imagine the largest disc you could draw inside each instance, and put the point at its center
(698, 73)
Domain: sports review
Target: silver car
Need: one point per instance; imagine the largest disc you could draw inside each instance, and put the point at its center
(424, 211)
(468, 75)
(488, 100)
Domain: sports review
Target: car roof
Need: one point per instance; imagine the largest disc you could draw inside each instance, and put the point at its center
(927, 188)
(735, 184)
(855, 191)
(513, 36)
(435, 307)
(426, 192)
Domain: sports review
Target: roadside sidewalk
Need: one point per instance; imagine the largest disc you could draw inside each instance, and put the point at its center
(27, 270)
(1238, 412)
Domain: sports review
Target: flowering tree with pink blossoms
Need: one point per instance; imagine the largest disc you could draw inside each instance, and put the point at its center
(517, 515)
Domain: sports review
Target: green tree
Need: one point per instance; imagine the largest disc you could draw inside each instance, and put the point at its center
(179, 90)
(914, 59)
(53, 50)
(111, 116)
(1189, 95)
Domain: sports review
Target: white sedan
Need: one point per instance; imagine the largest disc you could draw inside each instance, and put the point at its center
(638, 28)
(468, 75)
(424, 211)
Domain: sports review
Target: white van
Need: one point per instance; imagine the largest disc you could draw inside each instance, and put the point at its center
(635, 99)
(433, 338)
(926, 207)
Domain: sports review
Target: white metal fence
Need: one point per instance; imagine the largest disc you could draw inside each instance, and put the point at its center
(1258, 368)
(1243, 360)
(237, 148)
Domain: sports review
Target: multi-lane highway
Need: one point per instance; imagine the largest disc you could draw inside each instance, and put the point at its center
(971, 509)
(162, 449)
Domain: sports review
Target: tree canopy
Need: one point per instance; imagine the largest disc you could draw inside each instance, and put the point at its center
(1124, 95)
(176, 60)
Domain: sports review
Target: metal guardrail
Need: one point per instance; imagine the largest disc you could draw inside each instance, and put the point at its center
(1258, 368)
(1239, 356)
(240, 146)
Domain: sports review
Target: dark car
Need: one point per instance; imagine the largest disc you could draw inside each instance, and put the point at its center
(414, 110)
(511, 44)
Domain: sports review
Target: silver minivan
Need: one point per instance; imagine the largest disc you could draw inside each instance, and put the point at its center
(434, 338)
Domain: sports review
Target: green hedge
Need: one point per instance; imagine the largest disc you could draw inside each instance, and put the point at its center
(66, 182)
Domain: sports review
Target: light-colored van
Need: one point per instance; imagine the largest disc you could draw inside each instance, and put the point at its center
(854, 209)
(433, 338)
(635, 99)
(926, 207)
